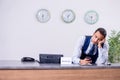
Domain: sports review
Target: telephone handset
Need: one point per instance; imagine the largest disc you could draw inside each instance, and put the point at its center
(28, 59)
(101, 43)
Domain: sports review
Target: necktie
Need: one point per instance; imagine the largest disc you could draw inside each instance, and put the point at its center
(92, 50)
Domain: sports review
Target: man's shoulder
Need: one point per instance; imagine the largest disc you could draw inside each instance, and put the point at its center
(88, 35)
(83, 37)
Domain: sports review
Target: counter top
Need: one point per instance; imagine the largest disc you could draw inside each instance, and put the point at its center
(4, 64)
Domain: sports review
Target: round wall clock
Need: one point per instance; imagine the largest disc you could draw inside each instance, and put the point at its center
(68, 16)
(91, 17)
(43, 15)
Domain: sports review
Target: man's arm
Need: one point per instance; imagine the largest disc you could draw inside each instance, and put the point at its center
(103, 53)
(77, 50)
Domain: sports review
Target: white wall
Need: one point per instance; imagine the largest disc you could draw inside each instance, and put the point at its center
(22, 35)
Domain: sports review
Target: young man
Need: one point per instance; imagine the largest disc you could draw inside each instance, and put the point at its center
(91, 49)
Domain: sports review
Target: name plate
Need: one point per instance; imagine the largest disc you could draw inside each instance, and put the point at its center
(66, 60)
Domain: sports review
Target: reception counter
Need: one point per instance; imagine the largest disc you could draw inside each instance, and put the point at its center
(17, 70)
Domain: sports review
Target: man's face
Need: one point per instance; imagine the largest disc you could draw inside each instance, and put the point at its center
(97, 37)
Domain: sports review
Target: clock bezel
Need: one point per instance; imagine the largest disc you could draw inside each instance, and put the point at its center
(88, 20)
(64, 17)
(39, 17)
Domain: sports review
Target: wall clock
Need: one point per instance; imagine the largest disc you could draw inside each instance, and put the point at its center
(91, 17)
(43, 15)
(68, 16)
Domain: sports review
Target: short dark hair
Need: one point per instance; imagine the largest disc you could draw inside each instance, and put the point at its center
(102, 31)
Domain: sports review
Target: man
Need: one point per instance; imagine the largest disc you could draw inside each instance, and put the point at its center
(91, 49)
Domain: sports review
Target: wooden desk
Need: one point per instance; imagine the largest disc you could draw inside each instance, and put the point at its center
(34, 71)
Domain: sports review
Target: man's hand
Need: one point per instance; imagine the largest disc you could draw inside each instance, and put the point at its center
(100, 43)
(85, 61)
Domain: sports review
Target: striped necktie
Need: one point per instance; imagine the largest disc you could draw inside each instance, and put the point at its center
(92, 50)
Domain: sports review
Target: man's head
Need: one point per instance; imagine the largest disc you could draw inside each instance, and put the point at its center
(99, 35)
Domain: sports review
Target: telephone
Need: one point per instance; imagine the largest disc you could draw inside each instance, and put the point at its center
(28, 59)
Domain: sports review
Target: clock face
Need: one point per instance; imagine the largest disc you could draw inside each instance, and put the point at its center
(91, 17)
(68, 16)
(43, 15)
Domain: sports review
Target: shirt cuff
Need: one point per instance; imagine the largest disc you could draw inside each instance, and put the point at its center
(76, 61)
